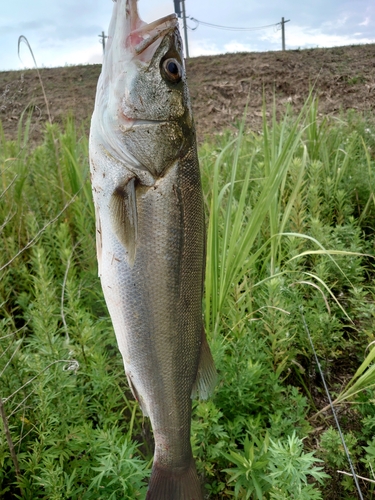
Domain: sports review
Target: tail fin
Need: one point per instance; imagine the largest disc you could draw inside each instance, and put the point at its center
(169, 484)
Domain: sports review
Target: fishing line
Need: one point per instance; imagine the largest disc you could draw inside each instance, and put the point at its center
(332, 407)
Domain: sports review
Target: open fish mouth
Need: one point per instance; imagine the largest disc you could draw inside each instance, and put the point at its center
(135, 34)
(149, 33)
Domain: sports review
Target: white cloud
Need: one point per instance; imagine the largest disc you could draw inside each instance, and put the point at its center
(153, 11)
(203, 48)
(81, 51)
(366, 22)
(330, 26)
(87, 55)
(234, 46)
(302, 36)
(95, 58)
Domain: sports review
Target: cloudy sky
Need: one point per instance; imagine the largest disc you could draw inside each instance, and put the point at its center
(63, 32)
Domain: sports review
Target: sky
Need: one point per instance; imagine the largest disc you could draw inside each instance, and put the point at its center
(66, 32)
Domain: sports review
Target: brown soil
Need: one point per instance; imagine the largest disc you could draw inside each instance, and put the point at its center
(343, 78)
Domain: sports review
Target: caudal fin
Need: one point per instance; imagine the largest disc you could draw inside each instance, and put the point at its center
(169, 484)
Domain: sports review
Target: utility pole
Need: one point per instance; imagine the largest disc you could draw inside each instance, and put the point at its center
(283, 32)
(182, 14)
(177, 7)
(103, 37)
(185, 30)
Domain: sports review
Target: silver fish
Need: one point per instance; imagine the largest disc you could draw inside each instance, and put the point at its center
(150, 234)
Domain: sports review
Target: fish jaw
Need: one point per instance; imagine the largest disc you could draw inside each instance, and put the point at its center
(127, 30)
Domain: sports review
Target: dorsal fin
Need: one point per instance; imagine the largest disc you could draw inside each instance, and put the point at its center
(123, 206)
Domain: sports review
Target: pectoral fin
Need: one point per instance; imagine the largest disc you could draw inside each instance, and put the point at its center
(207, 375)
(123, 206)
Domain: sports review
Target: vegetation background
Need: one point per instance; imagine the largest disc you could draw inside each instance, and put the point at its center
(291, 216)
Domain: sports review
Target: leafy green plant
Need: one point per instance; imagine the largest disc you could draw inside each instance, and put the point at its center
(120, 473)
(291, 215)
(290, 468)
(249, 473)
(274, 469)
(332, 449)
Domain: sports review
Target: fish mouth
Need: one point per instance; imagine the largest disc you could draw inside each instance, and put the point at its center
(149, 33)
(134, 33)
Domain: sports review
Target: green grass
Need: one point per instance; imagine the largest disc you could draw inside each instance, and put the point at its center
(291, 218)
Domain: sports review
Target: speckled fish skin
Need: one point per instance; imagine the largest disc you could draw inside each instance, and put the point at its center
(150, 234)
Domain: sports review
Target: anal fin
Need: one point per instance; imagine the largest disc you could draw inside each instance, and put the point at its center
(123, 206)
(205, 382)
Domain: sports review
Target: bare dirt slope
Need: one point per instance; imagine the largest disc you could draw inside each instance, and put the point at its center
(343, 78)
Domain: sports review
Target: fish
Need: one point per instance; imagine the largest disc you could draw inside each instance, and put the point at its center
(150, 235)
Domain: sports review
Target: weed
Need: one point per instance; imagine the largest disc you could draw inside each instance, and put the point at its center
(290, 222)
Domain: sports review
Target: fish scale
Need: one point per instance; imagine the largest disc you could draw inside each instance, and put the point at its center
(150, 235)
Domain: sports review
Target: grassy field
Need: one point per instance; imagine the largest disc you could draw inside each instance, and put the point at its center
(291, 218)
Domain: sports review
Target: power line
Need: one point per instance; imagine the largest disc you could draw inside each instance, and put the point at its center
(232, 28)
(237, 28)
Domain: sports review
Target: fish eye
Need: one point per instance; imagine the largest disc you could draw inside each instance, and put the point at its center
(171, 70)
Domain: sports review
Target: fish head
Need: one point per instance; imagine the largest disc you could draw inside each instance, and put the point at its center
(143, 112)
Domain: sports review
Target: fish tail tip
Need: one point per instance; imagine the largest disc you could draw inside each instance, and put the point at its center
(168, 484)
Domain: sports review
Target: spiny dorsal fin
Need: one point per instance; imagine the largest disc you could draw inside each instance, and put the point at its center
(205, 382)
(123, 206)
